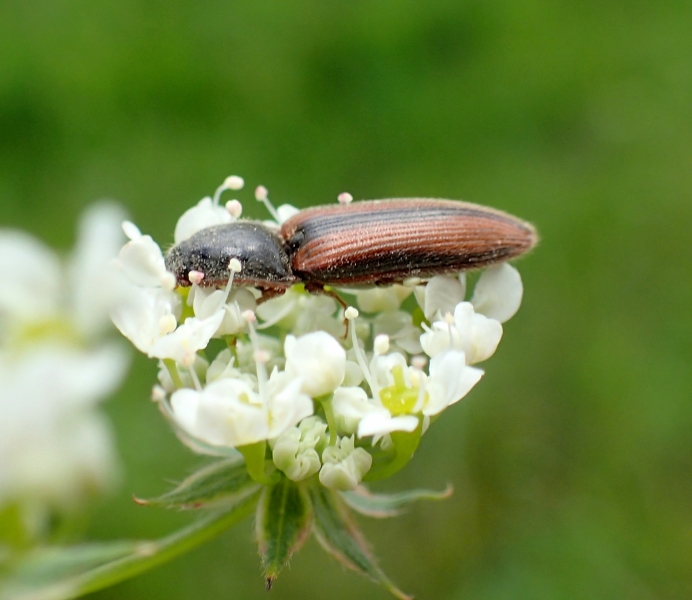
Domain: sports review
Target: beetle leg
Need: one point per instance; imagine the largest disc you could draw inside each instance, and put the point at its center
(319, 288)
(269, 293)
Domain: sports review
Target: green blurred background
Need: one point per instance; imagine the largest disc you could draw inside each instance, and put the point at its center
(572, 461)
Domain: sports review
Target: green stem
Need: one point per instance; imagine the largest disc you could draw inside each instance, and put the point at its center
(152, 554)
(255, 463)
(172, 368)
(326, 402)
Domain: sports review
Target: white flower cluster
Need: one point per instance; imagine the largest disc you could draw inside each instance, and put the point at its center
(326, 403)
(55, 366)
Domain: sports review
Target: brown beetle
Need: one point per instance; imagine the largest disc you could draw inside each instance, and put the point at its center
(373, 242)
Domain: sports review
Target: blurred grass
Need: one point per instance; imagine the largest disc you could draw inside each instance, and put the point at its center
(572, 460)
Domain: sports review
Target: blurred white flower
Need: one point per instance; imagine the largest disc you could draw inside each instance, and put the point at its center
(75, 295)
(55, 447)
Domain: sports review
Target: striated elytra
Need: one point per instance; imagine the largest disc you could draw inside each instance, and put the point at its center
(372, 242)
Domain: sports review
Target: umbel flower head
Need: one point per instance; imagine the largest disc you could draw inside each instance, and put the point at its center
(55, 367)
(311, 393)
(387, 375)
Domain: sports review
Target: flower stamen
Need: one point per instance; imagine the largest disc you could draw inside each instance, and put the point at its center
(351, 314)
(262, 195)
(234, 267)
(230, 183)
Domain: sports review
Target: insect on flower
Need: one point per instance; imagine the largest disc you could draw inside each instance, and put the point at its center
(372, 242)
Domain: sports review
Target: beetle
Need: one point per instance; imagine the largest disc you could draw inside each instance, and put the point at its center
(371, 242)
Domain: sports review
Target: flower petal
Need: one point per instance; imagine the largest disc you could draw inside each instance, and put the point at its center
(498, 292)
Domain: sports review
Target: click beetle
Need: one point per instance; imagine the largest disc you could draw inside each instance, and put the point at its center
(372, 242)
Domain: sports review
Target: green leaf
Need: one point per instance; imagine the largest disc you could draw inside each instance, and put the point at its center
(13, 530)
(283, 524)
(381, 506)
(70, 572)
(47, 565)
(340, 537)
(219, 485)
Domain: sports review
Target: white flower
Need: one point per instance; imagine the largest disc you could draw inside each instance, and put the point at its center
(149, 308)
(344, 465)
(231, 413)
(474, 334)
(142, 262)
(498, 292)
(206, 301)
(350, 405)
(301, 313)
(286, 211)
(200, 367)
(449, 381)
(441, 294)
(382, 299)
(382, 384)
(294, 451)
(247, 352)
(145, 315)
(54, 446)
(32, 276)
(380, 421)
(281, 214)
(318, 359)
(398, 326)
(39, 287)
(405, 393)
(94, 290)
(183, 344)
(204, 214)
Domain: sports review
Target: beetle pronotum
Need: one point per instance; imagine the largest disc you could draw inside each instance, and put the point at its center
(373, 242)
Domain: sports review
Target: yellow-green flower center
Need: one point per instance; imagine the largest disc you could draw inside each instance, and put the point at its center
(399, 399)
(45, 329)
